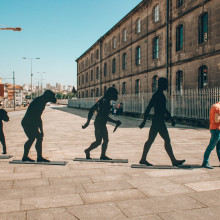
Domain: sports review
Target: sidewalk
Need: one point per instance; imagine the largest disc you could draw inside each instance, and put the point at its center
(104, 190)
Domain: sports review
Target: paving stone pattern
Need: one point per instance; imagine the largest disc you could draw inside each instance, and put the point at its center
(84, 190)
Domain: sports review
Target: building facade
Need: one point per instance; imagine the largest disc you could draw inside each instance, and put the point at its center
(177, 39)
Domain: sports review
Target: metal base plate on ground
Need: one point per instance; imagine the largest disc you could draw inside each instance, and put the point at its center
(5, 156)
(143, 166)
(104, 161)
(60, 163)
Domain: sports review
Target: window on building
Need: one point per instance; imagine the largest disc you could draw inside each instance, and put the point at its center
(92, 93)
(154, 83)
(105, 89)
(97, 54)
(87, 62)
(91, 75)
(156, 48)
(203, 77)
(113, 85)
(106, 48)
(91, 57)
(82, 64)
(156, 13)
(124, 57)
(87, 77)
(97, 72)
(82, 79)
(97, 92)
(138, 25)
(179, 81)
(113, 65)
(87, 93)
(179, 3)
(123, 88)
(78, 95)
(79, 81)
(114, 42)
(105, 69)
(179, 38)
(83, 94)
(203, 28)
(138, 56)
(124, 35)
(137, 86)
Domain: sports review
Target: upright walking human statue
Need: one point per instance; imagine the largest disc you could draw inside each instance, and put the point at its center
(33, 126)
(102, 107)
(3, 117)
(215, 135)
(158, 102)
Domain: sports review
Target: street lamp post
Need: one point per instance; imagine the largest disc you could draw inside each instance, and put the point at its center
(31, 70)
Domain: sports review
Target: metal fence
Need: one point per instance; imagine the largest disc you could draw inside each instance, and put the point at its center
(185, 104)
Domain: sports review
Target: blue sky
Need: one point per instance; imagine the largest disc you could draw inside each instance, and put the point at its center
(56, 31)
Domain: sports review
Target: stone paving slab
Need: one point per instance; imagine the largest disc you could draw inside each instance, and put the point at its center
(106, 190)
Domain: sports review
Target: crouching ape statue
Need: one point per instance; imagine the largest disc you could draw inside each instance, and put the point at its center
(3, 117)
(33, 127)
(102, 107)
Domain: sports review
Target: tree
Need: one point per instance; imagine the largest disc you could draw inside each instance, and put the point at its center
(74, 90)
(59, 95)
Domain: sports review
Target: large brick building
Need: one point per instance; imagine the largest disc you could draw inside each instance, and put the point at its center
(133, 54)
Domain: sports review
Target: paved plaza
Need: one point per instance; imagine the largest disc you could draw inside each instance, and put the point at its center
(99, 191)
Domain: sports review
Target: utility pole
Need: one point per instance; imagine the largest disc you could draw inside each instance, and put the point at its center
(14, 88)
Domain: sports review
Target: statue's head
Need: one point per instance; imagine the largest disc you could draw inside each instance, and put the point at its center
(162, 83)
(111, 94)
(4, 115)
(49, 96)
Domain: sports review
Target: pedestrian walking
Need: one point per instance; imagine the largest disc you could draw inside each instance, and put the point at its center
(215, 135)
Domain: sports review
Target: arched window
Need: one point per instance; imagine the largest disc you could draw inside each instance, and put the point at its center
(137, 86)
(154, 83)
(97, 92)
(179, 3)
(91, 57)
(97, 72)
(105, 89)
(97, 54)
(179, 81)
(124, 35)
(138, 25)
(156, 48)
(124, 57)
(82, 79)
(123, 88)
(179, 38)
(203, 77)
(113, 65)
(138, 56)
(114, 42)
(156, 13)
(203, 28)
(91, 75)
(87, 62)
(105, 69)
(87, 77)
(79, 81)
(92, 92)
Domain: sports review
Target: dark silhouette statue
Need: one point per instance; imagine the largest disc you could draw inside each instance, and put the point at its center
(102, 107)
(33, 126)
(3, 117)
(158, 102)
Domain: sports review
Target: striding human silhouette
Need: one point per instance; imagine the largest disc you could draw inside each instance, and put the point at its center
(158, 102)
(3, 117)
(33, 126)
(102, 107)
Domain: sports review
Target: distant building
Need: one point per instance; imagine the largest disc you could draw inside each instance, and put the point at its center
(143, 46)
